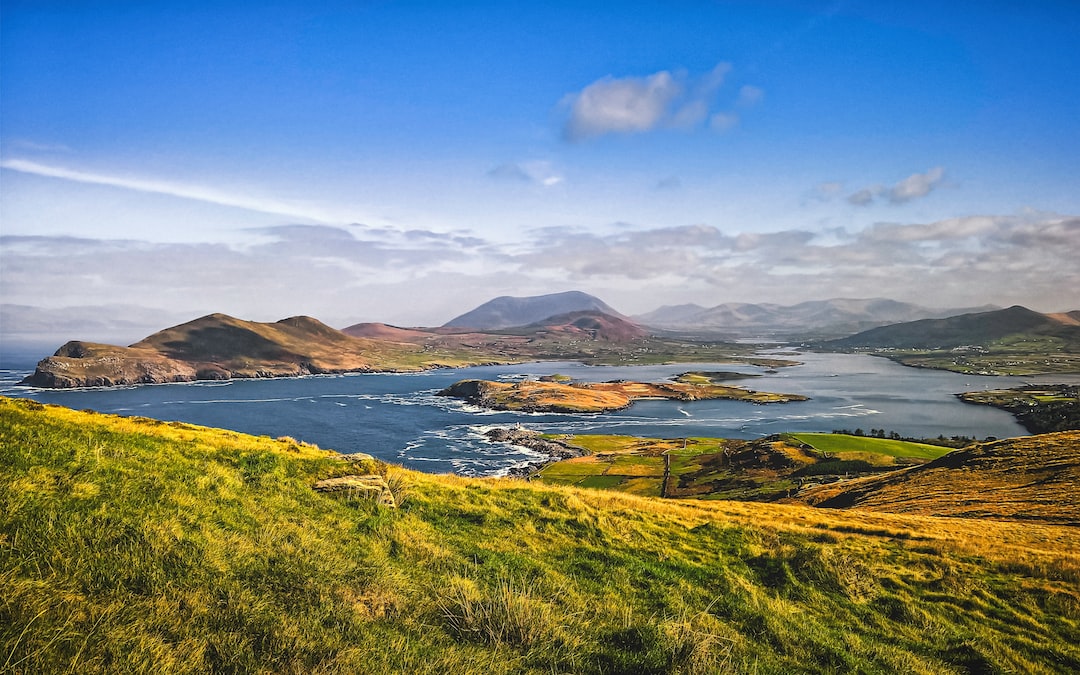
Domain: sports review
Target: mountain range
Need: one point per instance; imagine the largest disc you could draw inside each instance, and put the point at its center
(839, 316)
(582, 327)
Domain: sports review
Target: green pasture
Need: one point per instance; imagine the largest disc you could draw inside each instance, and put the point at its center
(834, 444)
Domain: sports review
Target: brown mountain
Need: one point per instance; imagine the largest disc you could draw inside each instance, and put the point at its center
(590, 324)
(218, 346)
(1028, 478)
(383, 331)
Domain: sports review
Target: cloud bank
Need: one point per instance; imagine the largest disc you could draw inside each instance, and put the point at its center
(421, 277)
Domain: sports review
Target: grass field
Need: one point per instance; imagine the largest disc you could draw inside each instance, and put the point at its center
(715, 468)
(838, 444)
(136, 546)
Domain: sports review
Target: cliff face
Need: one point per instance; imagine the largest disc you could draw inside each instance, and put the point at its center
(89, 364)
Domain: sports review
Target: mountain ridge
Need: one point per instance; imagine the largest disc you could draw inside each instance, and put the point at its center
(835, 315)
(511, 312)
(218, 346)
(974, 328)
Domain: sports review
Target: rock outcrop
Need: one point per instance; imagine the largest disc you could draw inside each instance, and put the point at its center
(372, 487)
(555, 449)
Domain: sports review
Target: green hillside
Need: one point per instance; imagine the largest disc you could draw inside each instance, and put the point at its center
(1013, 341)
(130, 545)
(764, 469)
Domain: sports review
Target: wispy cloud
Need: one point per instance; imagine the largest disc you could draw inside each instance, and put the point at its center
(537, 172)
(200, 193)
(915, 186)
(631, 105)
(749, 95)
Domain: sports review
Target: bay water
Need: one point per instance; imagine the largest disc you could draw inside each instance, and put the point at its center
(399, 418)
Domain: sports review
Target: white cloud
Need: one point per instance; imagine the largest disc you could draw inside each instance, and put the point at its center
(200, 193)
(632, 105)
(915, 186)
(621, 105)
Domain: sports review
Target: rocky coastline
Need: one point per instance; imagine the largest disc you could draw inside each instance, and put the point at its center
(555, 449)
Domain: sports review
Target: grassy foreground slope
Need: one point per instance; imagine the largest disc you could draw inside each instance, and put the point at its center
(129, 545)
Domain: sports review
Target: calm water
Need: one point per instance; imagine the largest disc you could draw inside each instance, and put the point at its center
(398, 418)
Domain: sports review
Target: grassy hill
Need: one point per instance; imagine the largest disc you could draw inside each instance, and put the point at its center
(1013, 341)
(131, 545)
(1030, 478)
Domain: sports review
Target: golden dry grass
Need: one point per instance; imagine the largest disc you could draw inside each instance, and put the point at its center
(130, 545)
(1031, 479)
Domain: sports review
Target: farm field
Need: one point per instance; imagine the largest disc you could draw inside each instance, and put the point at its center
(713, 468)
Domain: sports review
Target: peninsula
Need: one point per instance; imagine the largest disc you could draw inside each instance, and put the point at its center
(221, 347)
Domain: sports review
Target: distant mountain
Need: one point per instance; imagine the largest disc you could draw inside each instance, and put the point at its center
(511, 312)
(836, 316)
(670, 315)
(966, 329)
(1031, 479)
(218, 347)
(592, 325)
(382, 331)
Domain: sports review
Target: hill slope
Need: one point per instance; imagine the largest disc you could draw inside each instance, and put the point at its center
(130, 545)
(967, 329)
(218, 346)
(509, 312)
(1031, 478)
(588, 324)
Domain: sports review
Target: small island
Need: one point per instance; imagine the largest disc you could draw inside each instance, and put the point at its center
(599, 397)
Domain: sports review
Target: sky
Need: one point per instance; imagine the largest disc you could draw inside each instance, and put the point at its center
(406, 161)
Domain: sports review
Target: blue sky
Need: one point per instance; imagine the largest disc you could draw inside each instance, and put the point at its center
(406, 161)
